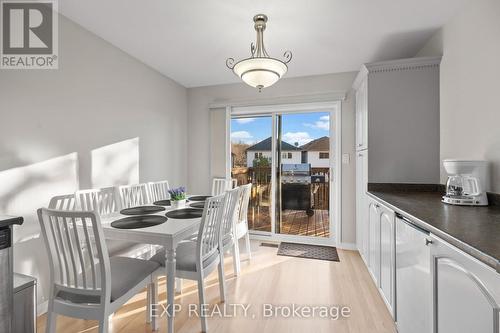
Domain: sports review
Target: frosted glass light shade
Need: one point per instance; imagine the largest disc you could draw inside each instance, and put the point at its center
(260, 72)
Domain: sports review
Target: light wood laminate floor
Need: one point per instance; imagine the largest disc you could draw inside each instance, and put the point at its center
(267, 279)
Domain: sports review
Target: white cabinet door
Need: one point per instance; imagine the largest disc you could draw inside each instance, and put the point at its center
(387, 257)
(374, 241)
(466, 292)
(362, 116)
(362, 230)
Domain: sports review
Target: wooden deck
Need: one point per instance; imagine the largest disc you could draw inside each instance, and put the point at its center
(294, 222)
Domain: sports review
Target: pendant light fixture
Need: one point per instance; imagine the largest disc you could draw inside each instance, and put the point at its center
(260, 70)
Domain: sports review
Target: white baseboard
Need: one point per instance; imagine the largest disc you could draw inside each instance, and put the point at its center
(348, 246)
(42, 308)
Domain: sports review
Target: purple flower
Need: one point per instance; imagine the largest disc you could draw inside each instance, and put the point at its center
(178, 193)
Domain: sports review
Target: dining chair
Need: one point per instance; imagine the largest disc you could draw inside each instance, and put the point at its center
(63, 202)
(104, 201)
(158, 190)
(133, 195)
(196, 260)
(229, 240)
(85, 282)
(221, 185)
(241, 224)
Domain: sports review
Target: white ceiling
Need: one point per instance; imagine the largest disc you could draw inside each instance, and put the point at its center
(189, 40)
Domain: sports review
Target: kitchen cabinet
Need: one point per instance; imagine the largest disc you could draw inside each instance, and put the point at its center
(374, 240)
(397, 119)
(427, 284)
(362, 116)
(466, 292)
(387, 257)
(362, 230)
(381, 250)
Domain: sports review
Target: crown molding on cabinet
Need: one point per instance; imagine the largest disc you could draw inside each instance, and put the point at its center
(395, 65)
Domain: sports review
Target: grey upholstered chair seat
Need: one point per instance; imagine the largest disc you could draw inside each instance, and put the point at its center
(185, 258)
(126, 273)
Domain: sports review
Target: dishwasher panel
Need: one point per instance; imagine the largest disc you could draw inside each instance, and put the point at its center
(413, 278)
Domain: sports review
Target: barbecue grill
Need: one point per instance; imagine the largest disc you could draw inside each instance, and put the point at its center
(296, 187)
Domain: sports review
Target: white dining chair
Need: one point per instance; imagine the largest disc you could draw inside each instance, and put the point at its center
(229, 240)
(133, 195)
(105, 201)
(85, 282)
(196, 260)
(221, 185)
(241, 224)
(63, 202)
(158, 190)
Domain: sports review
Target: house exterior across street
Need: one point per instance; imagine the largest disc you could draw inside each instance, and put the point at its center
(289, 154)
(315, 152)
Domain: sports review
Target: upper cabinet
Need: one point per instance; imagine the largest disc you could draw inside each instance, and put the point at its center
(362, 116)
(397, 119)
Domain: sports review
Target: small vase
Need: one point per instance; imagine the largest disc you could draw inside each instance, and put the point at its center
(176, 204)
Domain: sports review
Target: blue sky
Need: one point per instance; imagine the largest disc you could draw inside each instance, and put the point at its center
(300, 128)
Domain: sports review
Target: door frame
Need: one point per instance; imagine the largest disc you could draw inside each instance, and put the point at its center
(334, 107)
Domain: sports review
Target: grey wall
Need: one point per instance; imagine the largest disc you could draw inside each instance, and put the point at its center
(199, 131)
(403, 126)
(470, 110)
(102, 118)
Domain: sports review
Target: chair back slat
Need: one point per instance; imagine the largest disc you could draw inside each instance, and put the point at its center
(133, 195)
(108, 200)
(63, 202)
(242, 214)
(101, 200)
(209, 232)
(86, 199)
(158, 190)
(75, 243)
(229, 210)
(221, 185)
(80, 253)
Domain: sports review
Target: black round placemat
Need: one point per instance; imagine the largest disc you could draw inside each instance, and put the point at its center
(137, 222)
(141, 210)
(162, 203)
(199, 197)
(198, 204)
(185, 213)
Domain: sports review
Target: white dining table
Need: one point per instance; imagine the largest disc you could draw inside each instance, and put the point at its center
(167, 234)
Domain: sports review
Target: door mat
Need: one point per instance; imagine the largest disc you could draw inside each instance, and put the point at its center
(308, 251)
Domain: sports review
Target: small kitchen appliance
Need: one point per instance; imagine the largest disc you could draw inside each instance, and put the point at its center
(467, 183)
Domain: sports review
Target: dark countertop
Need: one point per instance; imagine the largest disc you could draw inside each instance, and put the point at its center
(474, 230)
(6, 220)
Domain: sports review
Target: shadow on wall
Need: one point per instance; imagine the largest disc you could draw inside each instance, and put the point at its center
(24, 189)
(406, 44)
(116, 164)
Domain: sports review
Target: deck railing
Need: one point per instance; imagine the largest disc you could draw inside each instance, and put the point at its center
(261, 178)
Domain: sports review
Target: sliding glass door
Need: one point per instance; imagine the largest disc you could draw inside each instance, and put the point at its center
(251, 162)
(304, 174)
(289, 155)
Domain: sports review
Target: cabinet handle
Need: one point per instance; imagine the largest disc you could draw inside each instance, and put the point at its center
(428, 241)
(377, 206)
(360, 144)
